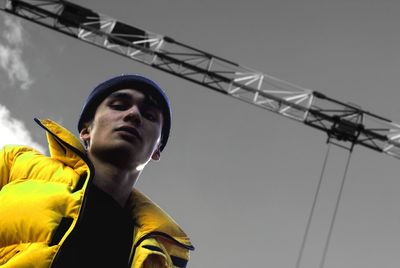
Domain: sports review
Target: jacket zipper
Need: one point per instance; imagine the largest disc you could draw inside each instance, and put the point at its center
(91, 170)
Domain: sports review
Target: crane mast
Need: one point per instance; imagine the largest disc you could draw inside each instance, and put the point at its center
(346, 124)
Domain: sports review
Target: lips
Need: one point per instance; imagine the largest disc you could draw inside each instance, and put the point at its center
(130, 131)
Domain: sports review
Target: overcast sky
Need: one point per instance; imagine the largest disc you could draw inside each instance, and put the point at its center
(239, 179)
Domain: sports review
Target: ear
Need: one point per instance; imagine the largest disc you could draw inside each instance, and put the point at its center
(84, 135)
(157, 154)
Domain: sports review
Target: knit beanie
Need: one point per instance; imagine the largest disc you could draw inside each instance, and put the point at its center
(124, 81)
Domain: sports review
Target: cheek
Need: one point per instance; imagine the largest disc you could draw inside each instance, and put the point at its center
(106, 119)
(102, 125)
(155, 134)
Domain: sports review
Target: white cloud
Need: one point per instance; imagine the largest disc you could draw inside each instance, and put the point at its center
(13, 31)
(11, 62)
(11, 53)
(13, 131)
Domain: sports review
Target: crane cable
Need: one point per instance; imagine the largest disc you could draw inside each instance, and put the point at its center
(335, 212)
(311, 214)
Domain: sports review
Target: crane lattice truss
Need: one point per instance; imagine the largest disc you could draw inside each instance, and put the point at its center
(346, 124)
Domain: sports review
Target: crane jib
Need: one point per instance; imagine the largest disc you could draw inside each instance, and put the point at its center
(343, 122)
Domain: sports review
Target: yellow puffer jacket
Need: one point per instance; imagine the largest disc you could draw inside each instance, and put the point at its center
(38, 193)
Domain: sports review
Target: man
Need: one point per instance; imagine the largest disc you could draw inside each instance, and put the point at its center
(79, 207)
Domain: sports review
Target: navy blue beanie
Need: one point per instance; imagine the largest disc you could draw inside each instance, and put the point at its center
(124, 81)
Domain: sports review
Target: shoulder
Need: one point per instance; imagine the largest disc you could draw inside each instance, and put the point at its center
(11, 151)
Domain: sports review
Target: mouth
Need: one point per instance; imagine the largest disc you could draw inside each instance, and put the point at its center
(129, 132)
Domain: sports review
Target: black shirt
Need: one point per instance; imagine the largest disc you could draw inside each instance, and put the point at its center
(103, 235)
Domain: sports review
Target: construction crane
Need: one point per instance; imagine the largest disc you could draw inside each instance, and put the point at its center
(346, 124)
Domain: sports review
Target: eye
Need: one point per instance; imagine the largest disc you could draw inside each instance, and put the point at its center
(151, 115)
(118, 105)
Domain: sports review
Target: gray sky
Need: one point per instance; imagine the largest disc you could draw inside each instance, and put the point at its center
(239, 179)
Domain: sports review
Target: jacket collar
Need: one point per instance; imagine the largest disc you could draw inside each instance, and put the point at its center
(65, 147)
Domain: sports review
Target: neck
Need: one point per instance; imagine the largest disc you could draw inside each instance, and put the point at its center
(115, 181)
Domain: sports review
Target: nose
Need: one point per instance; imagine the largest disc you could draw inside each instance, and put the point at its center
(133, 115)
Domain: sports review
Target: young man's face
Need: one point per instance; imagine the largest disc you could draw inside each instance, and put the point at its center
(126, 128)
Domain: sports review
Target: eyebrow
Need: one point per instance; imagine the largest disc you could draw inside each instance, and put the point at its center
(148, 99)
(120, 95)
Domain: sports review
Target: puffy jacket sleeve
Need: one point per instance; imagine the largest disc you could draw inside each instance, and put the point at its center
(8, 154)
